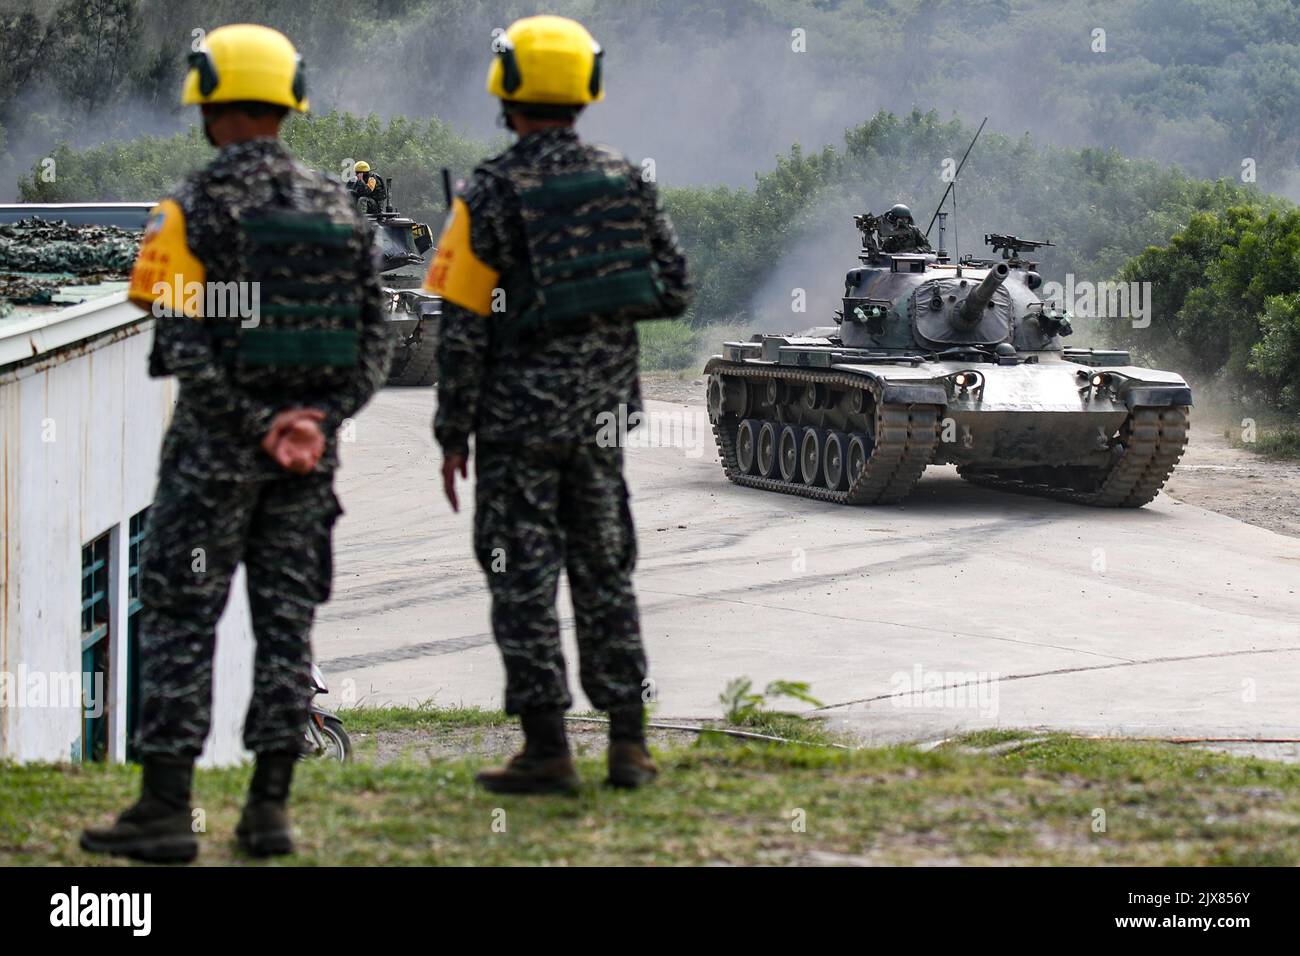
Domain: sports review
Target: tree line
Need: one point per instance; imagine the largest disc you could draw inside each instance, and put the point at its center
(1221, 256)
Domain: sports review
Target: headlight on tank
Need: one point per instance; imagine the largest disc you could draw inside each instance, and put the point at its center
(1095, 384)
(967, 381)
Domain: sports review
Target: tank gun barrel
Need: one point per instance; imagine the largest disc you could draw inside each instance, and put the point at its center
(982, 294)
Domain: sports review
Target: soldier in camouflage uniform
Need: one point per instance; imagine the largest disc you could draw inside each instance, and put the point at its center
(368, 186)
(900, 235)
(248, 461)
(547, 260)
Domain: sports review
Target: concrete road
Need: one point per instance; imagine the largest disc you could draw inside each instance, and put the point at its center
(961, 609)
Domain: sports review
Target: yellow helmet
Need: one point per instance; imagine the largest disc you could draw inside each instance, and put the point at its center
(546, 59)
(361, 167)
(245, 61)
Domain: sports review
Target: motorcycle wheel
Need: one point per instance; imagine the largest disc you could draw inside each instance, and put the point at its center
(338, 745)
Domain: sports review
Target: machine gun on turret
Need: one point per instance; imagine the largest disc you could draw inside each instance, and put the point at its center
(1012, 246)
(869, 226)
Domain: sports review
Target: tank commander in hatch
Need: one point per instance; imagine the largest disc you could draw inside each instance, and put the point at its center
(899, 234)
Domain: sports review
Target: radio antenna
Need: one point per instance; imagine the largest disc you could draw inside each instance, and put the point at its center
(951, 187)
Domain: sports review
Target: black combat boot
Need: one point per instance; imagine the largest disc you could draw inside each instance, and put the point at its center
(544, 765)
(629, 760)
(263, 828)
(158, 828)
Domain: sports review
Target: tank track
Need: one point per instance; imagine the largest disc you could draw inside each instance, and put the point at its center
(905, 442)
(1152, 444)
(416, 362)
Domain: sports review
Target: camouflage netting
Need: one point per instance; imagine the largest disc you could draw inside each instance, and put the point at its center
(35, 245)
(84, 255)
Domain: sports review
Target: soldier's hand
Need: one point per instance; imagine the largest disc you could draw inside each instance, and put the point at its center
(301, 446)
(451, 464)
(295, 439)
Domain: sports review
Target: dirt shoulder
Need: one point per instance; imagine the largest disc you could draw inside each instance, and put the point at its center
(1237, 483)
(686, 388)
(1213, 474)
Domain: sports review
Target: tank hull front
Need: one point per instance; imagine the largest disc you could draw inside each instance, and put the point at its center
(1039, 420)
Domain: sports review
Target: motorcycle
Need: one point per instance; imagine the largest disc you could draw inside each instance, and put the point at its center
(325, 734)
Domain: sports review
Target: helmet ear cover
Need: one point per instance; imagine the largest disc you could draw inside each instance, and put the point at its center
(511, 78)
(201, 60)
(299, 88)
(593, 85)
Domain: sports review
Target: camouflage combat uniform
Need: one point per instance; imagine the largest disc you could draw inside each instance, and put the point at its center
(530, 382)
(361, 188)
(253, 214)
(905, 239)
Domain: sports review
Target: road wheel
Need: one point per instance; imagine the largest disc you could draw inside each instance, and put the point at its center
(856, 457)
(810, 456)
(833, 461)
(788, 452)
(767, 466)
(747, 446)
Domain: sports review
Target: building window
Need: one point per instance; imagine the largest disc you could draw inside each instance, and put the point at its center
(137, 532)
(96, 614)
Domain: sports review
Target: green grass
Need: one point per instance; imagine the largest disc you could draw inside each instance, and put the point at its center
(1274, 435)
(669, 345)
(674, 346)
(1281, 443)
(791, 727)
(424, 716)
(723, 800)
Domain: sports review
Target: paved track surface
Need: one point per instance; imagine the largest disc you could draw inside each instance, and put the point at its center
(960, 609)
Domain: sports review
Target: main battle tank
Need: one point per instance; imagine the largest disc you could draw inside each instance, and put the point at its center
(936, 362)
(412, 314)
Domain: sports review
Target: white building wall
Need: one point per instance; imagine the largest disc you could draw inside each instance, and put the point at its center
(80, 432)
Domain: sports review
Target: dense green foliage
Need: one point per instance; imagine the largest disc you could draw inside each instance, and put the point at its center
(1207, 84)
(1196, 85)
(1099, 207)
(1227, 301)
(413, 152)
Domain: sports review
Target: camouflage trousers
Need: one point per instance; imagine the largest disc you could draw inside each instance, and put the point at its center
(198, 531)
(540, 510)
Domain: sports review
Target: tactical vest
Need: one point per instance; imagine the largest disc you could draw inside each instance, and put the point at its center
(588, 247)
(306, 330)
